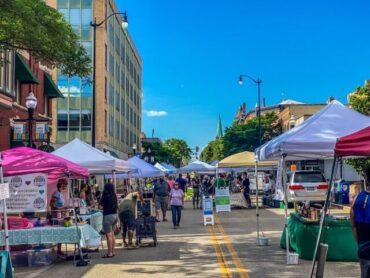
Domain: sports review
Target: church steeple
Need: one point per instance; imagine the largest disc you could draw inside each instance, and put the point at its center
(219, 132)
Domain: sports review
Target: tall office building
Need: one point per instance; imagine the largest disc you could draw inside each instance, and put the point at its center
(118, 81)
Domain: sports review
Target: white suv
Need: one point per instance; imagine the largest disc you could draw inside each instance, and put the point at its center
(307, 186)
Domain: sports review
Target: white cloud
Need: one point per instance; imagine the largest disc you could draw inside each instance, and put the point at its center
(152, 113)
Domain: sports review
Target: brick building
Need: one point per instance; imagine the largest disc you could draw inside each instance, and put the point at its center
(20, 75)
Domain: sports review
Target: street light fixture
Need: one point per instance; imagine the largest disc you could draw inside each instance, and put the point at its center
(124, 26)
(31, 103)
(258, 82)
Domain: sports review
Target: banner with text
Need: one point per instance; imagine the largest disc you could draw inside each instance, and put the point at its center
(222, 199)
(27, 193)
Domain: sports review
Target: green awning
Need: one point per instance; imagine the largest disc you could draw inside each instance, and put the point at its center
(50, 89)
(23, 73)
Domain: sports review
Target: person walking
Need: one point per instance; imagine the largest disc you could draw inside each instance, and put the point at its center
(360, 218)
(109, 203)
(246, 189)
(182, 182)
(126, 210)
(160, 195)
(171, 181)
(177, 203)
(195, 184)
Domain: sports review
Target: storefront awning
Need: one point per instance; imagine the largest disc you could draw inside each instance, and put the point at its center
(23, 73)
(50, 89)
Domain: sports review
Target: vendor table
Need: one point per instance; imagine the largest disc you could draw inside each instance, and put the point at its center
(53, 235)
(95, 219)
(337, 233)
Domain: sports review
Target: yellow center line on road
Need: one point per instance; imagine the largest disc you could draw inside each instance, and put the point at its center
(242, 271)
(222, 264)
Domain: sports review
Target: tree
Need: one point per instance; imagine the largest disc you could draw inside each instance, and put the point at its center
(33, 26)
(213, 151)
(360, 101)
(178, 151)
(159, 153)
(245, 137)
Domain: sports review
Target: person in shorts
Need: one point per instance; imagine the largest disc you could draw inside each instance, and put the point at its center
(109, 204)
(126, 211)
(161, 192)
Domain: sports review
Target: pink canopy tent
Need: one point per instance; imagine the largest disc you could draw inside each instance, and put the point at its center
(23, 160)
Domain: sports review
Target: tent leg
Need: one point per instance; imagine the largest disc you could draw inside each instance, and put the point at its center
(5, 213)
(257, 204)
(284, 177)
(323, 214)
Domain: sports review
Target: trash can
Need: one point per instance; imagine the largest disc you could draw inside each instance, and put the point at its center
(344, 190)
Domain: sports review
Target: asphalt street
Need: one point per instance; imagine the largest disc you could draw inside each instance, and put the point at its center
(228, 249)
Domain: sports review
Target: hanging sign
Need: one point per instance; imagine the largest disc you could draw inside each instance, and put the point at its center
(41, 131)
(19, 133)
(222, 199)
(27, 193)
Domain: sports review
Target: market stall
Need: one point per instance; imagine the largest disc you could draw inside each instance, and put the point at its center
(198, 166)
(243, 160)
(32, 176)
(315, 138)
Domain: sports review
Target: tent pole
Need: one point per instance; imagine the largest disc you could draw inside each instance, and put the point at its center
(285, 188)
(323, 214)
(257, 204)
(5, 213)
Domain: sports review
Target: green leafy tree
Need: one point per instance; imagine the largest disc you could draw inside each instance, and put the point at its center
(360, 101)
(157, 151)
(245, 137)
(33, 26)
(178, 150)
(213, 151)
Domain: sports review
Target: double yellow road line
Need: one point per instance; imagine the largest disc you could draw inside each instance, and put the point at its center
(223, 264)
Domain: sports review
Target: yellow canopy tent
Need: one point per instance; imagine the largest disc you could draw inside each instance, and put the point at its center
(243, 159)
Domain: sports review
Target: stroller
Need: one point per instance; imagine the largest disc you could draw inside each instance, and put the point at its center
(145, 223)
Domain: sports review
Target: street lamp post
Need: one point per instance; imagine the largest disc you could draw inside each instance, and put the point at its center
(95, 25)
(31, 103)
(258, 82)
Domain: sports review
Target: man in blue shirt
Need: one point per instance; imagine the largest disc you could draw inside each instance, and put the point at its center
(182, 183)
(360, 217)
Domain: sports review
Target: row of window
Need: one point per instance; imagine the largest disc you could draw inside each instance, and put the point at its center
(118, 131)
(7, 84)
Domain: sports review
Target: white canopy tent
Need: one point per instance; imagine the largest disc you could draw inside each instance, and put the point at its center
(93, 159)
(172, 169)
(316, 137)
(163, 168)
(145, 170)
(313, 139)
(198, 167)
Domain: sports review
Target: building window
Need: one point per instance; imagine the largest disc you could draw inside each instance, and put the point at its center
(111, 64)
(111, 95)
(122, 107)
(118, 100)
(105, 89)
(105, 122)
(106, 55)
(62, 120)
(127, 137)
(117, 129)
(111, 126)
(122, 132)
(85, 119)
(74, 119)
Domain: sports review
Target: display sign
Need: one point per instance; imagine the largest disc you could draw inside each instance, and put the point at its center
(4, 191)
(41, 131)
(208, 211)
(19, 131)
(27, 193)
(222, 199)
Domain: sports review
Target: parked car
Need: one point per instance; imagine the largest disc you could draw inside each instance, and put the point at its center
(307, 186)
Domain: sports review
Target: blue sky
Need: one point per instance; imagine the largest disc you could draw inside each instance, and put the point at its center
(194, 50)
